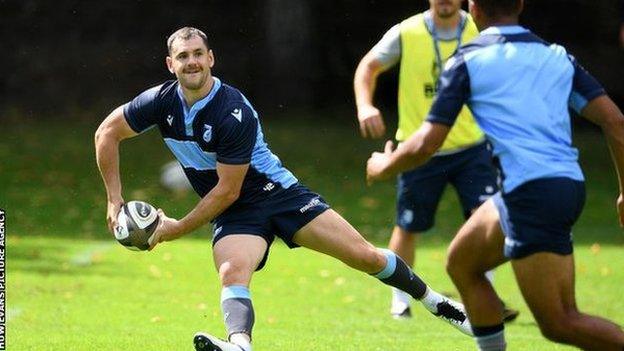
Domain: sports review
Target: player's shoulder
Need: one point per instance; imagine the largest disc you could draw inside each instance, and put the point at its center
(233, 104)
(231, 95)
(414, 18)
(413, 22)
(160, 92)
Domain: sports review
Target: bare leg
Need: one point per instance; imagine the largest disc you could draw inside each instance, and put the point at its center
(477, 248)
(547, 284)
(403, 243)
(330, 234)
(236, 258)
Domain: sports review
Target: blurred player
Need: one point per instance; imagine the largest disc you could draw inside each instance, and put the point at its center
(519, 87)
(422, 44)
(246, 193)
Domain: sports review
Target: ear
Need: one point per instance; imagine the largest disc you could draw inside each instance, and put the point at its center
(211, 58)
(169, 62)
(475, 12)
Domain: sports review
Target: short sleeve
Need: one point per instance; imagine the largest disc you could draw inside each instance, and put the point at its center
(453, 92)
(141, 112)
(585, 87)
(388, 49)
(236, 135)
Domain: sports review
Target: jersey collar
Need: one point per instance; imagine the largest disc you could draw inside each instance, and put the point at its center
(189, 114)
(504, 30)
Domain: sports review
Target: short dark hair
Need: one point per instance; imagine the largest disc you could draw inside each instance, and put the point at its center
(186, 33)
(496, 8)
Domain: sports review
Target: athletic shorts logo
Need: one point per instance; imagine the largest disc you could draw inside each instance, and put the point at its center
(207, 136)
(170, 120)
(217, 231)
(489, 191)
(269, 186)
(407, 216)
(314, 202)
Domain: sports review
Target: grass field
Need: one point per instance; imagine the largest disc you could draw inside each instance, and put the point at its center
(71, 287)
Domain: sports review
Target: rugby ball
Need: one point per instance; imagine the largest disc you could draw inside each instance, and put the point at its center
(136, 222)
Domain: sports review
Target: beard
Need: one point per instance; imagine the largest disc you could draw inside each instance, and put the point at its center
(447, 9)
(447, 12)
(194, 83)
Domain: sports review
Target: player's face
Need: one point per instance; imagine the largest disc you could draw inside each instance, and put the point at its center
(445, 8)
(191, 62)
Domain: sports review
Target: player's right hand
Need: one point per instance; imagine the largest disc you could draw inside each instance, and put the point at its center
(112, 211)
(371, 122)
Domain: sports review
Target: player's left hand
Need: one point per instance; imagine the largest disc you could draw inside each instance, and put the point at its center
(620, 209)
(377, 164)
(168, 229)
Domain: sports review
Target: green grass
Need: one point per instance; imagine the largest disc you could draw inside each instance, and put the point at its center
(71, 287)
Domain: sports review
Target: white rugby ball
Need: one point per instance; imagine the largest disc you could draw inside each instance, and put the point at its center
(136, 222)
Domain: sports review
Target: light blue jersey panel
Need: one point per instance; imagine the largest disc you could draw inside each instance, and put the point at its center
(519, 89)
(265, 162)
(190, 155)
(521, 103)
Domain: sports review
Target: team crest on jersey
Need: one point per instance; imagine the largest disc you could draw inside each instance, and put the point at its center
(207, 136)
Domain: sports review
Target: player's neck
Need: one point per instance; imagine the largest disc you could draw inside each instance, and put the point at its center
(446, 23)
(502, 21)
(192, 96)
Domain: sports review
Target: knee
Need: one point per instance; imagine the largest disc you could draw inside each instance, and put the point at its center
(554, 332)
(233, 272)
(559, 328)
(454, 268)
(404, 235)
(369, 260)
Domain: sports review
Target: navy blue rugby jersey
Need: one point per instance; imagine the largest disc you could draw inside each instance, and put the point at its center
(223, 127)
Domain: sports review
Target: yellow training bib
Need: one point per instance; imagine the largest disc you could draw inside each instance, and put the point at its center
(417, 82)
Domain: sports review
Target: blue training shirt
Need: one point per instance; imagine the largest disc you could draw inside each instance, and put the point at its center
(518, 88)
(221, 127)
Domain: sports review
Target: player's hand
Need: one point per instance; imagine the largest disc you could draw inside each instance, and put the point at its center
(168, 229)
(371, 122)
(377, 164)
(112, 211)
(620, 209)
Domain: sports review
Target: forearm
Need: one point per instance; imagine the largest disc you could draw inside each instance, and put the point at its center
(364, 87)
(614, 133)
(107, 157)
(209, 207)
(365, 81)
(605, 113)
(410, 154)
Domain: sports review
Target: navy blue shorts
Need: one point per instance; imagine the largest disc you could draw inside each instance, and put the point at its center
(538, 216)
(282, 214)
(470, 171)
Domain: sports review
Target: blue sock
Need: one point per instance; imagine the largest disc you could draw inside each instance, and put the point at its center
(238, 313)
(399, 275)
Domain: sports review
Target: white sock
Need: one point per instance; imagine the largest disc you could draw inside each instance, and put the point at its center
(489, 275)
(494, 342)
(431, 300)
(400, 301)
(241, 340)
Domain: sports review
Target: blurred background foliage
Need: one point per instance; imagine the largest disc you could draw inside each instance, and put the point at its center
(80, 58)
